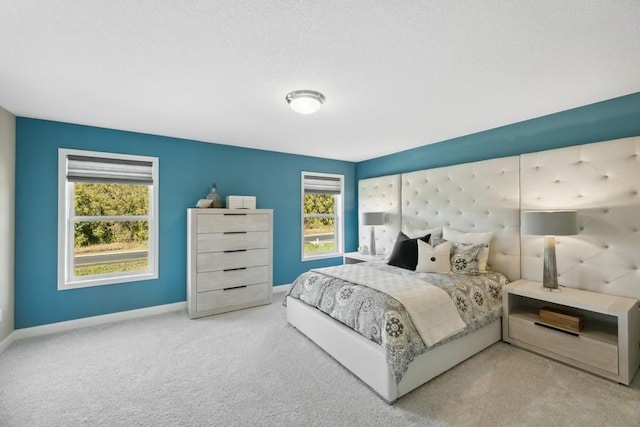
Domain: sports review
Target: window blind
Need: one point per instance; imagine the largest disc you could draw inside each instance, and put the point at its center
(322, 184)
(106, 170)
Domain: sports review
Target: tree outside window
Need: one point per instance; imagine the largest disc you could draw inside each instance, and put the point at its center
(322, 213)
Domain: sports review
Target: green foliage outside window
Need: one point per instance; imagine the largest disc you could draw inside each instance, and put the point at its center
(319, 204)
(110, 200)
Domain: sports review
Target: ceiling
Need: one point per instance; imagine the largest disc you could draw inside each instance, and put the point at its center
(396, 74)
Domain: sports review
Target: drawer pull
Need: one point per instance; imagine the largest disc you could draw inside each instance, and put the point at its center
(235, 287)
(546, 325)
(235, 214)
(235, 269)
(236, 250)
(235, 232)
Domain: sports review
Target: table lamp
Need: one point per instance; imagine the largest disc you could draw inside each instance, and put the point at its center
(550, 224)
(372, 219)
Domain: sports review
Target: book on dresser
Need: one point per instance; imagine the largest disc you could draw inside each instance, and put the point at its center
(229, 259)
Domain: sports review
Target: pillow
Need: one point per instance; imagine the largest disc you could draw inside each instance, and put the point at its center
(433, 259)
(464, 256)
(414, 232)
(405, 251)
(462, 237)
(418, 233)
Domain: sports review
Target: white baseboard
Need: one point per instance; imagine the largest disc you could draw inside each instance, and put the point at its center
(69, 325)
(281, 288)
(5, 343)
(93, 321)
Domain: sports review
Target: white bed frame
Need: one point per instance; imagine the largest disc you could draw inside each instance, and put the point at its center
(367, 360)
(480, 196)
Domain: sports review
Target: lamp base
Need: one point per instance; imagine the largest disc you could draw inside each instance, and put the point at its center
(550, 269)
(372, 243)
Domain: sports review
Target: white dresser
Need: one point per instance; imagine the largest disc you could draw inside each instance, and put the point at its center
(229, 259)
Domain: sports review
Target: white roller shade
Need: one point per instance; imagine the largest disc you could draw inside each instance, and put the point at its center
(322, 184)
(107, 170)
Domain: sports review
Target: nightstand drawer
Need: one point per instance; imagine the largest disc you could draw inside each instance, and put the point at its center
(213, 300)
(590, 348)
(215, 280)
(216, 261)
(219, 242)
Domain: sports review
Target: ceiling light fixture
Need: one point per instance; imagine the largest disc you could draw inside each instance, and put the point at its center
(305, 101)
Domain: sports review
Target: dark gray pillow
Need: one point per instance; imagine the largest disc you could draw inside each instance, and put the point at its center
(405, 251)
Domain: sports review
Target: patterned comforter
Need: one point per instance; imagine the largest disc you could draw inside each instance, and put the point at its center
(382, 319)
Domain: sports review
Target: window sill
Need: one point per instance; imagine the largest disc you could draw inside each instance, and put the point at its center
(324, 256)
(79, 284)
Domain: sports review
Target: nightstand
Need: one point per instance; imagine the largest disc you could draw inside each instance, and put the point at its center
(356, 257)
(607, 345)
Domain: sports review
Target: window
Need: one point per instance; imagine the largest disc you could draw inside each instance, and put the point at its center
(107, 218)
(322, 214)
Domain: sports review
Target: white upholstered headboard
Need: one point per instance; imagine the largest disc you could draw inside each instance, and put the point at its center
(380, 194)
(472, 197)
(477, 197)
(600, 180)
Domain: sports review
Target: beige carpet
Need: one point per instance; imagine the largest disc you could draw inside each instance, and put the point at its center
(249, 368)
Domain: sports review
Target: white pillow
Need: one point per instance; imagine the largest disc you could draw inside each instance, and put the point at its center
(415, 232)
(433, 260)
(462, 237)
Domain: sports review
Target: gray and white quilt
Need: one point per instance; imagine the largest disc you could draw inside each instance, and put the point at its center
(383, 320)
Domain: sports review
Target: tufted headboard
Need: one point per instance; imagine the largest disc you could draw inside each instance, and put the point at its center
(600, 180)
(474, 197)
(380, 194)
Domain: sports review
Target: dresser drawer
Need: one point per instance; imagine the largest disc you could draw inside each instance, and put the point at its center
(591, 348)
(213, 300)
(232, 222)
(232, 241)
(214, 280)
(215, 261)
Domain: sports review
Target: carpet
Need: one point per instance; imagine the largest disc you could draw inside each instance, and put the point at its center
(250, 368)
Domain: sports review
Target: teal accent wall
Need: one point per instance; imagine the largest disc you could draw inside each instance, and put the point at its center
(611, 119)
(187, 169)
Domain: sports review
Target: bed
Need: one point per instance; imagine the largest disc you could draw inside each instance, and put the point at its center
(378, 319)
(474, 197)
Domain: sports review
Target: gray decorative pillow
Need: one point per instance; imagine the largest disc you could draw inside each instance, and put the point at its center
(464, 256)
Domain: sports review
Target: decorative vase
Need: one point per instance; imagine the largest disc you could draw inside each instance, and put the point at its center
(215, 196)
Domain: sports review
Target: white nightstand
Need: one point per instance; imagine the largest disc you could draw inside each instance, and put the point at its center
(356, 257)
(607, 345)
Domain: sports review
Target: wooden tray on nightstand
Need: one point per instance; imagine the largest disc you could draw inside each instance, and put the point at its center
(557, 319)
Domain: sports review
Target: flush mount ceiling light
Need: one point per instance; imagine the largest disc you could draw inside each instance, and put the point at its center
(305, 101)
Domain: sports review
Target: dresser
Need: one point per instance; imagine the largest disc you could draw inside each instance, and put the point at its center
(229, 259)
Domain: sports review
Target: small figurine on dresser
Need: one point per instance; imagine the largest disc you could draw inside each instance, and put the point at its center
(204, 203)
(212, 200)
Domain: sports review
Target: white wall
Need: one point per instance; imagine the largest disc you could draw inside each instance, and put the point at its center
(7, 209)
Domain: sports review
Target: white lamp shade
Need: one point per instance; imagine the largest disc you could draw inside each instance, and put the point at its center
(373, 218)
(550, 223)
(305, 101)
